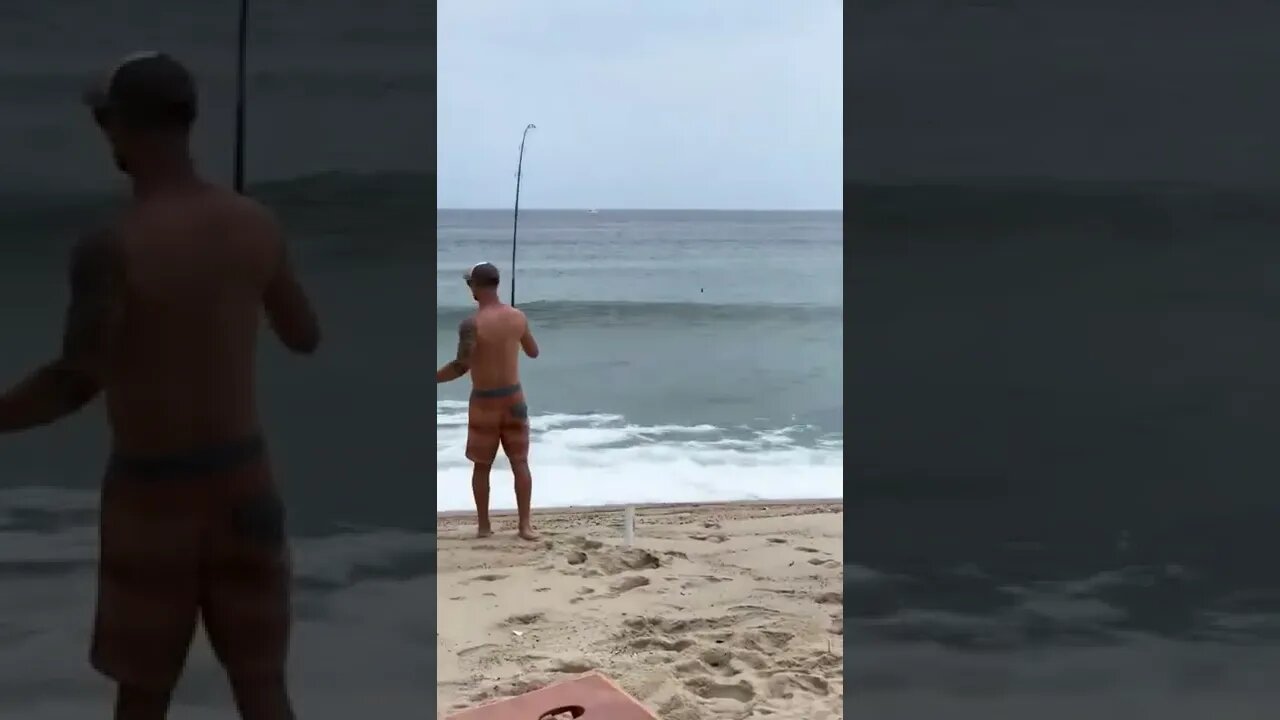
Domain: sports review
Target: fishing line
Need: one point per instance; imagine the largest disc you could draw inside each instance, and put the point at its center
(238, 168)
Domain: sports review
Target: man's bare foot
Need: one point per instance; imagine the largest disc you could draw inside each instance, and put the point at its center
(484, 531)
(528, 533)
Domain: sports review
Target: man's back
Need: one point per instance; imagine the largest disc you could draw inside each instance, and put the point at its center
(495, 359)
(197, 270)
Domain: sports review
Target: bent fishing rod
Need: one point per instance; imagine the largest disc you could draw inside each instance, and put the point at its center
(515, 221)
(237, 179)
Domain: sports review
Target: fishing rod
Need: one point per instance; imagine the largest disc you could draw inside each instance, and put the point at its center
(515, 221)
(238, 168)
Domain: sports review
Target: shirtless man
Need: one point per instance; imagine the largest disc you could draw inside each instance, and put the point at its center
(163, 320)
(489, 344)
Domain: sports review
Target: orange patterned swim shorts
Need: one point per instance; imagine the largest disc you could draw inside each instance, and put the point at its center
(497, 417)
(189, 537)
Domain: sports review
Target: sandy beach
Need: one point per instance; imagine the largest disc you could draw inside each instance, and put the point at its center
(716, 611)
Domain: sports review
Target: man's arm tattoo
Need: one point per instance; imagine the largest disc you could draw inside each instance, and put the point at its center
(461, 362)
(466, 343)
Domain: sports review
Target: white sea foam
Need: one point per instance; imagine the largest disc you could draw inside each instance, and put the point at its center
(601, 459)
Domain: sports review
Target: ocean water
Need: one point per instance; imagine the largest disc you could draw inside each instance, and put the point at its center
(352, 188)
(1062, 494)
(686, 355)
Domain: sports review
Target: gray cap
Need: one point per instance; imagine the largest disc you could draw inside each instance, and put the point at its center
(482, 274)
(145, 88)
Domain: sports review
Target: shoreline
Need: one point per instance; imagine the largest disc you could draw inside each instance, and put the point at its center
(671, 506)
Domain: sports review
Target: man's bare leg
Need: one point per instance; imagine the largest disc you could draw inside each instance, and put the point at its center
(524, 498)
(480, 491)
(135, 703)
(262, 699)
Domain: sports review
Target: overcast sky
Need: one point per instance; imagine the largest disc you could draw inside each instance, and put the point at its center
(640, 104)
(1182, 90)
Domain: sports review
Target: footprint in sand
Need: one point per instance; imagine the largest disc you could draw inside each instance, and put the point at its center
(699, 667)
(612, 562)
(823, 562)
(476, 648)
(716, 538)
(660, 643)
(704, 687)
(768, 642)
(753, 659)
(584, 543)
(830, 598)
(702, 580)
(801, 548)
(721, 631)
(574, 665)
(740, 657)
(525, 619)
(753, 609)
(630, 582)
(653, 624)
(484, 578)
(777, 541)
(718, 659)
(635, 559)
(783, 685)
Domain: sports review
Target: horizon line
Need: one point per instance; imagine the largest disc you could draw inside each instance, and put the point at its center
(647, 209)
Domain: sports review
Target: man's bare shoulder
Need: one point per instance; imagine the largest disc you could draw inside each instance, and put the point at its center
(520, 319)
(245, 212)
(251, 227)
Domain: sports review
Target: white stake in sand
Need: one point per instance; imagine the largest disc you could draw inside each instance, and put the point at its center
(628, 525)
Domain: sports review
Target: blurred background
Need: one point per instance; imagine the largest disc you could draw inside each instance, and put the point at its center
(339, 103)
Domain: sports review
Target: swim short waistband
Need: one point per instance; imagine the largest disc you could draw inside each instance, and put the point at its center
(209, 459)
(501, 392)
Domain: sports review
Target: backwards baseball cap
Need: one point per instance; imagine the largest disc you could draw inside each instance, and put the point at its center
(146, 89)
(482, 273)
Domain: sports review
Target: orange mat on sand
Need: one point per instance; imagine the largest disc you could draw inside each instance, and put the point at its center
(587, 697)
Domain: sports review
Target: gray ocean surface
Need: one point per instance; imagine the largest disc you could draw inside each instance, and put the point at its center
(352, 187)
(1062, 498)
(686, 355)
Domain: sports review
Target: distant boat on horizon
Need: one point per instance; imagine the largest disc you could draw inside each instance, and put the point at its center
(593, 211)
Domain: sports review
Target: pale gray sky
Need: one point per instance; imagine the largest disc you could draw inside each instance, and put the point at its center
(640, 104)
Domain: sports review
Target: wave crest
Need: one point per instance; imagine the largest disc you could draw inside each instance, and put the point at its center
(563, 313)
